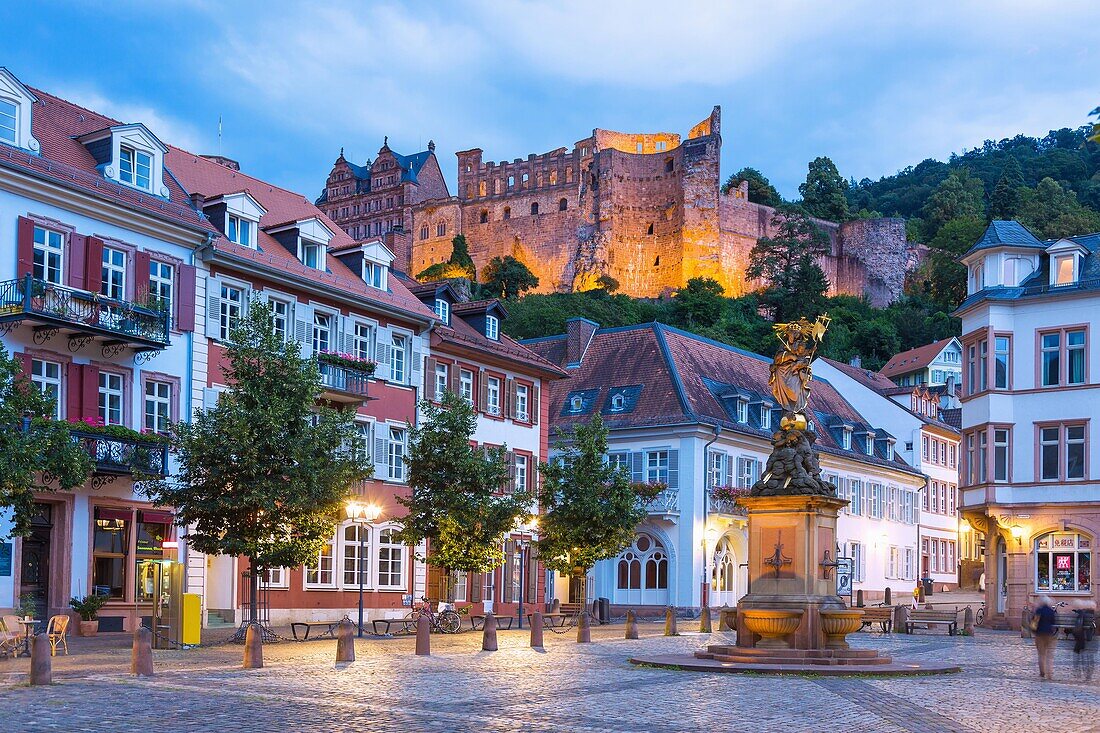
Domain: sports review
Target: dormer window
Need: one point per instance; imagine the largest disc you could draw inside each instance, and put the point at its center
(1064, 269)
(576, 404)
(374, 273)
(742, 409)
(889, 450)
(869, 445)
(241, 231)
(846, 438)
(765, 417)
(130, 155)
(312, 254)
(8, 120)
(443, 310)
(492, 327)
(977, 277)
(134, 167)
(16, 105)
(618, 402)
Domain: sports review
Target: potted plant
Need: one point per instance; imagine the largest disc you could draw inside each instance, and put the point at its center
(88, 610)
(27, 606)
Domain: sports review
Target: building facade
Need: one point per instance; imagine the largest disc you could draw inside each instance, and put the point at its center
(697, 417)
(98, 285)
(935, 364)
(1030, 462)
(643, 208)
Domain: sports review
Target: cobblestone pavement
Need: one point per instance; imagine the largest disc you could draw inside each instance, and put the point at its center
(568, 687)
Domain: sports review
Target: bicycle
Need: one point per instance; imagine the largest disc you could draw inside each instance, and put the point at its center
(979, 615)
(446, 621)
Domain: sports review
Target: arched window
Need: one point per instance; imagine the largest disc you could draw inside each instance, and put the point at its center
(630, 571)
(724, 574)
(507, 212)
(441, 229)
(535, 209)
(424, 232)
(563, 204)
(391, 559)
(1063, 563)
(618, 402)
(483, 217)
(643, 565)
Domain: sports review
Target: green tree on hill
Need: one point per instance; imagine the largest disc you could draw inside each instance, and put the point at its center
(459, 264)
(761, 191)
(824, 193)
(1051, 211)
(507, 277)
(941, 277)
(1005, 199)
(699, 303)
(795, 285)
(958, 196)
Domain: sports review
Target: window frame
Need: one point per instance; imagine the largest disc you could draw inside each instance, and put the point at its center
(106, 392)
(47, 251)
(131, 176)
(492, 327)
(159, 401)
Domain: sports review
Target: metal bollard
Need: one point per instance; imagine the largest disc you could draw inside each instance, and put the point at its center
(253, 647)
(631, 625)
(536, 630)
(345, 642)
(141, 656)
(584, 629)
(704, 620)
(859, 599)
(41, 661)
(489, 633)
(670, 622)
(887, 598)
(423, 637)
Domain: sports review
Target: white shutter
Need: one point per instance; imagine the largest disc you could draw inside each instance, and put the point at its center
(303, 328)
(210, 397)
(213, 307)
(381, 451)
(382, 350)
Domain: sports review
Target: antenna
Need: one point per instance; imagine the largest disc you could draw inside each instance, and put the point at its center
(219, 134)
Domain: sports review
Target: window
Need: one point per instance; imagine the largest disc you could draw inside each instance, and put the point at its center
(507, 213)
(399, 344)
(441, 229)
(1075, 451)
(362, 447)
(462, 584)
(440, 381)
(618, 403)
(1075, 357)
(846, 438)
(321, 573)
(856, 492)
(742, 411)
(765, 417)
(1000, 362)
(134, 167)
(1063, 563)
(483, 217)
(395, 457)
(522, 409)
(391, 559)
(535, 208)
(858, 561)
(313, 255)
(7, 121)
(660, 145)
(716, 469)
(280, 317)
(113, 279)
(1000, 454)
(656, 466)
(492, 327)
(983, 457)
(520, 473)
(983, 365)
(46, 375)
(110, 550)
(1064, 267)
(877, 500)
(374, 274)
(110, 398)
(971, 369)
(619, 462)
(466, 385)
(322, 332)
(240, 230)
(563, 204)
(356, 569)
(1051, 352)
(273, 578)
(161, 281)
(748, 471)
(1048, 453)
(232, 302)
(158, 403)
(442, 309)
(424, 231)
(49, 253)
(638, 147)
(492, 395)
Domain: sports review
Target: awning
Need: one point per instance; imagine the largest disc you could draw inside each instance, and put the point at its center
(102, 512)
(154, 517)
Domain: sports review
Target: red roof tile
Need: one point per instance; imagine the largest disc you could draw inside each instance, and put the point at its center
(914, 359)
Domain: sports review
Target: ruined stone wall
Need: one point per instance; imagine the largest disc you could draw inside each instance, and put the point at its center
(883, 256)
(435, 247)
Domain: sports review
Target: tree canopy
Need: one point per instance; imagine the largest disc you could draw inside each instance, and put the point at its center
(761, 191)
(786, 262)
(699, 303)
(33, 445)
(459, 264)
(824, 192)
(507, 277)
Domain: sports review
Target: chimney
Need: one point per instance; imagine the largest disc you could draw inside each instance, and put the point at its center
(197, 200)
(224, 161)
(856, 362)
(579, 333)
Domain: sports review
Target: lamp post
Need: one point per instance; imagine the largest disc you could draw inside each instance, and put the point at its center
(522, 545)
(363, 515)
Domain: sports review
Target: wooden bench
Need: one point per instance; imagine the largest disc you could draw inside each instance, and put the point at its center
(918, 617)
(407, 624)
(881, 615)
(328, 626)
(503, 622)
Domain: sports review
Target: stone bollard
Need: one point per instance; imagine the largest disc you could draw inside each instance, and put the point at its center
(555, 605)
(920, 594)
(423, 637)
(859, 599)
(670, 622)
(536, 630)
(345, 642)
(968, 621)
(41, 662)
(1025, 624)
(887, 599)
(584, 629)
(901, 618)
(141, 656)
(253, 647)
(489, 633)
(631, 625)
(704, 620)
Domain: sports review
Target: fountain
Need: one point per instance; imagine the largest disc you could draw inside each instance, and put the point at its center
(792, 620)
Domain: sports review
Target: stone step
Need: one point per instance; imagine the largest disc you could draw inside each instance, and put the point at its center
(792, 653)
(814, 661)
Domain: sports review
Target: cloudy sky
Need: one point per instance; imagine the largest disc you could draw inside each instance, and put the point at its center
(874, 87)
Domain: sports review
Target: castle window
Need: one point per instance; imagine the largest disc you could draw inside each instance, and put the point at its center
(639, 147)
(593, 180)
(467, 167)
(563, 204)
(441, 229)
(469, 187)
(661, 144)
(669, 165)
(553, 178)
(507, 212)
(483, 217)
(584, 151)
(424, 231)
(511, 181)
(657, 262)
(524, 178)
(535, 209)
(568, 175)
(650, 230)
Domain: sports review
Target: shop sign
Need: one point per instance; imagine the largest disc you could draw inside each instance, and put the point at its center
(5, 559)
(1064, 542)
(1063, 562)
(407, 600)
(844, 576)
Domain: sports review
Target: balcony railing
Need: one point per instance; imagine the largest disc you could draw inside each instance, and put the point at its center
(723, 506)
(666, 502)
(122, 456)
(341, 383)
(55, 307)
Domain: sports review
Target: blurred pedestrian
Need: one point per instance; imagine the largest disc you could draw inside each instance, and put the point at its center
(1042, 627)
(1084, 640)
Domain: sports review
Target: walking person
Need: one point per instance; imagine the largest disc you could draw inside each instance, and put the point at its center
(1042, 627)
(1084, 644)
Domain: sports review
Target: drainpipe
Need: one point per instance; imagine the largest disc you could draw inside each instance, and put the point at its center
(704, 600)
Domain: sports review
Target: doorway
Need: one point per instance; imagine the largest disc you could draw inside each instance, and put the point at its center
(34, 573)
(1002, 575)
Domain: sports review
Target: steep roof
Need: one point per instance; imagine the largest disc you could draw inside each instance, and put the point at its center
(1002, 233)
(684, 378)
(873, 380)
(914, 359)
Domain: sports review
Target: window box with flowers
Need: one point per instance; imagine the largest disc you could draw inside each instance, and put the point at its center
(723, 499)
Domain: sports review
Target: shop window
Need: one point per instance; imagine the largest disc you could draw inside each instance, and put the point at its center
(391, 559)
(110, 551)
(152, 530)
(1063, 563)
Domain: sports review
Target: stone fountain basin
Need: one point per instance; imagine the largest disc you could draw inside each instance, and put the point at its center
(839, 623)
(771, 623)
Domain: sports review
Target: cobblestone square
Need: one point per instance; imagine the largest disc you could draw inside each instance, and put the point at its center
(567, 687)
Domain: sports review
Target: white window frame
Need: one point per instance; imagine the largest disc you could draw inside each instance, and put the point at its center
(349, 553)
(16, 108)
(520, 480)
(846, 438)
(363, 336)
(716, 468)
(240, 230)
(52, 252)
(742, 411)
(131, 175)
(305, 247)
(442, 309)
(319, 569)
(383, 546)
(231, 309)
(47, 383)
(765, 417)
(112, 386)
(523, 413)
(160, 402)
(282, 312)
(108, 285)
(375, 273)
(396, 470)
(322, 331)
(275, 578)
(492, 328)
(466, 385)
(657, 466)
(442, 374)
(399, 361)
(492, 395)
(162, 282)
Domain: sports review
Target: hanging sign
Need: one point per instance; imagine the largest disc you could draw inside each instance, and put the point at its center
(5, 559)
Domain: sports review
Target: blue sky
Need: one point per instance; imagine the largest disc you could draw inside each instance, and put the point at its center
(872, 86)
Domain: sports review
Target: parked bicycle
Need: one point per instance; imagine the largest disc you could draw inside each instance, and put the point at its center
(979, 615)
(446, 621)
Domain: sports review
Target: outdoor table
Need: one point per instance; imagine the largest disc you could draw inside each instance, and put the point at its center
(27, 631)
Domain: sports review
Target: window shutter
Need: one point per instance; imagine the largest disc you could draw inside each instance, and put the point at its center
(637, 467)
(473, 585)
(185, 299)
(510, 398)
(25, 246)
(483, 391)
(141, 275)
(89, 390)
(534, 407)
(93, 264)
(382, 354)
(303, 328)
(673, 469)
(430, 365)
(506, 576)
(510, 484)
(755, 471)
(454, 377)
(210, 397)
(74, 382)
(417, 359)
(381, 448)
(78, 244)
(213, 307)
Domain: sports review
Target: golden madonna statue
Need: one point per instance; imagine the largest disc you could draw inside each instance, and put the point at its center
(790, 370)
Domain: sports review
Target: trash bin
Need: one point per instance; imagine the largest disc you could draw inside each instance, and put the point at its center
(601, 610)
(927, 586)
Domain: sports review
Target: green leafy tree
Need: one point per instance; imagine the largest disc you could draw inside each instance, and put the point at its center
(264, 474)
(590, 509)
(1005, 199)
(607, 283)
(508, 277)
(1051, 211)
(941, 276)
(32, 445)
(456, 502)
(761, 191)
(958, 196)
(824, 193)
(1094, 133)
(787, 264)
(699, 303)
(459, 264)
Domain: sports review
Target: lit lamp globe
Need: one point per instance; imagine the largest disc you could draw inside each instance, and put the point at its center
(362, 513)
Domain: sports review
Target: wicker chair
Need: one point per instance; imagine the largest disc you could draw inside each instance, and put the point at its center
(56, 630)
(9, 641)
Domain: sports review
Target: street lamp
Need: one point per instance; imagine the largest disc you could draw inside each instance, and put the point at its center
(363, 515)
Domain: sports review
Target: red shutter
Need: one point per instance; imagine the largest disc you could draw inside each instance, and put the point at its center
(78, 251)
(93, 265)
(25, 239)
(185, 299)
(74, 381)
(90, 391)
(141, 276)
